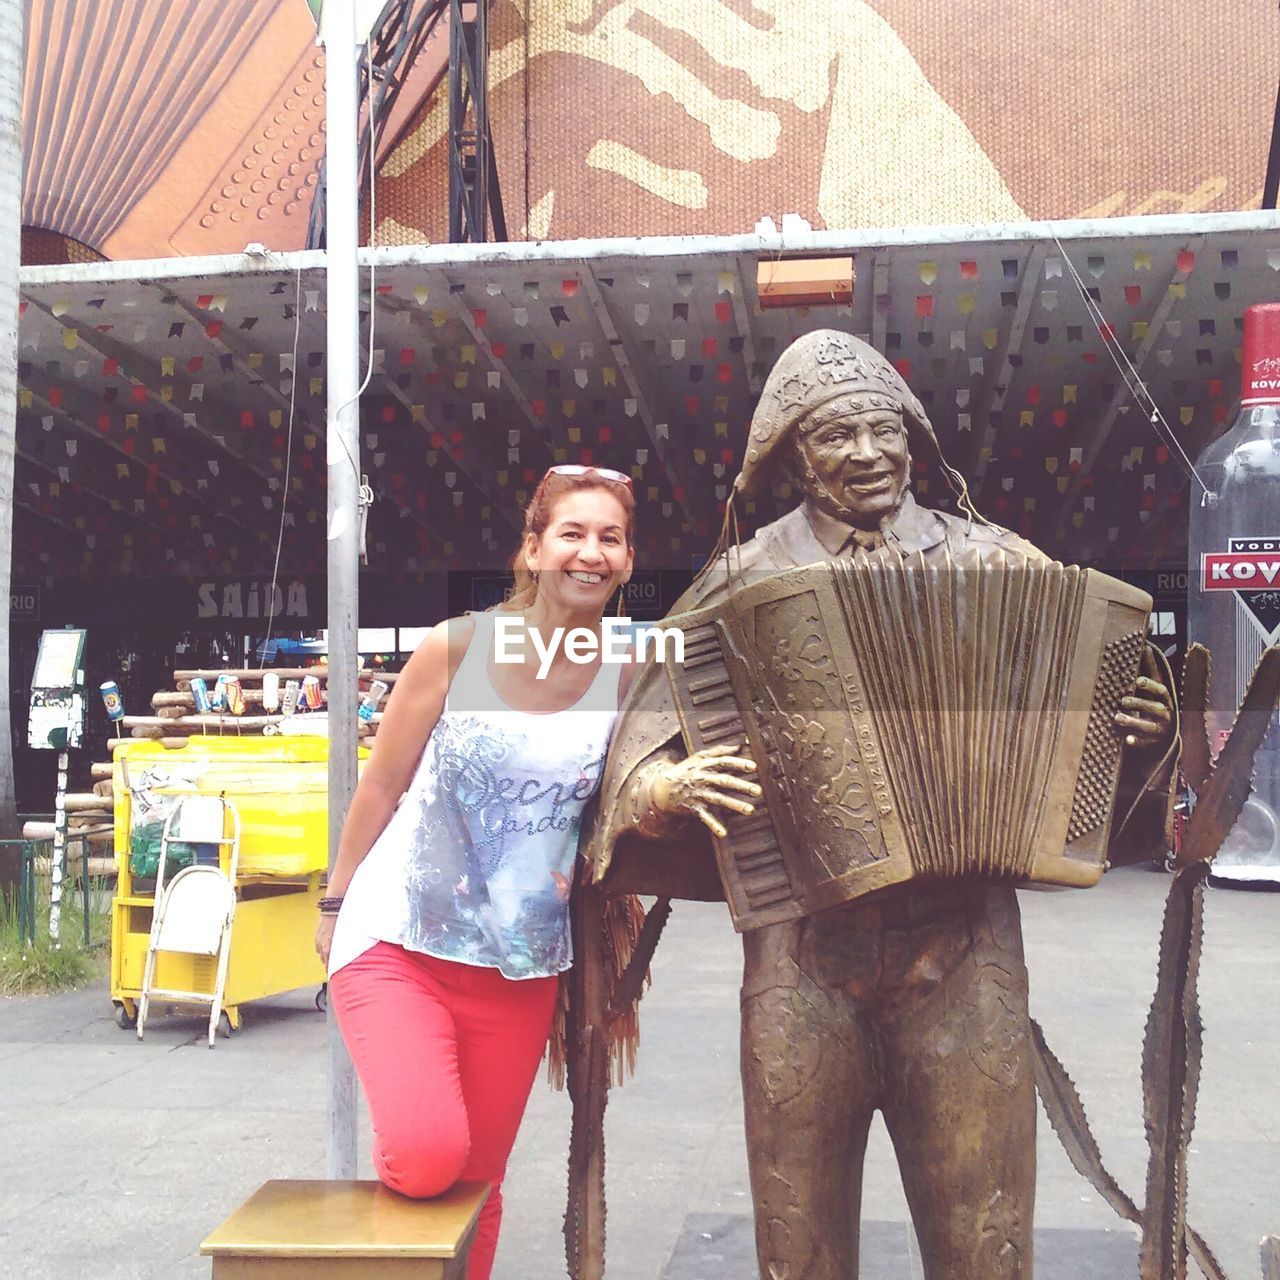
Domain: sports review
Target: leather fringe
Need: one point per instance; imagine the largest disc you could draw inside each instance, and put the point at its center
(623, 920)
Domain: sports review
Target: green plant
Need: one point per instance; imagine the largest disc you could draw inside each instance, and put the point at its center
(40, 967)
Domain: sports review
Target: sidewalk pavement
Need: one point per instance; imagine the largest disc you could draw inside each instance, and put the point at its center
(117, 1158)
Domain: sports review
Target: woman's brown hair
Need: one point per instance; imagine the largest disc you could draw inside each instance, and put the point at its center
(537, 517)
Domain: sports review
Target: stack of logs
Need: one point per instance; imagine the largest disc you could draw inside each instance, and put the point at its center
(90, 814)
(89, 819)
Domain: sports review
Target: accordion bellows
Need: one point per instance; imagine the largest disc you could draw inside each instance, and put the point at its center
(924, 715)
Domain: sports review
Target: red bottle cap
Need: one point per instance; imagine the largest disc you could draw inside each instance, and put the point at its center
(1260, 359)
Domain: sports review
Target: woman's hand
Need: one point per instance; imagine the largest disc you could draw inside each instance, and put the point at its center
(1146, 715)
(324, 937)
(704, 781)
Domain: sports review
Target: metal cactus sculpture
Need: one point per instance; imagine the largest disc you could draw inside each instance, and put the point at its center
(1172, 1045)
(1271, 1258)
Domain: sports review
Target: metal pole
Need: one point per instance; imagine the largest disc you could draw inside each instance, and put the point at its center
(84, 886)
(27, 895)
(338, 34)
(11, 22)
(459, 195)
(478, 72)
(1271, 183)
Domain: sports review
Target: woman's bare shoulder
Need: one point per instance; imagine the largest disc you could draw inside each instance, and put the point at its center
(457, 635)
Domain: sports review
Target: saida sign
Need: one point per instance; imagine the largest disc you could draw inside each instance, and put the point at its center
(234, 599)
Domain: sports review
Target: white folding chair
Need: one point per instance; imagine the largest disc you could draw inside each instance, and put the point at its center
(194, 911)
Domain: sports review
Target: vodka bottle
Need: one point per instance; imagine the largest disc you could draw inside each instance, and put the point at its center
(1234, 580)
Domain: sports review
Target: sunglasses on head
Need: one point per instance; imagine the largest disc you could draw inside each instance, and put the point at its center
(577, 469)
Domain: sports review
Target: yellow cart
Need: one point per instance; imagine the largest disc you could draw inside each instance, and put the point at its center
(279, 787)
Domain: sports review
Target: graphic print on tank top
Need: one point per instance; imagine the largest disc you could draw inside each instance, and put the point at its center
(476, 863)
(496, 835)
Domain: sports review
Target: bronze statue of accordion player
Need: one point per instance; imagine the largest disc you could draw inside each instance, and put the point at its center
(886, 718)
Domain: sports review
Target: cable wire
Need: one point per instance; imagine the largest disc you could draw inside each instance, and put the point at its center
(1133, 380)
(288, 462)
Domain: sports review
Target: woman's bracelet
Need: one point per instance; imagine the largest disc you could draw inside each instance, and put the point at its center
(330, 906)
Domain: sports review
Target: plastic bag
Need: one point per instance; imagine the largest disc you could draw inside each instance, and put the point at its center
(144, 852)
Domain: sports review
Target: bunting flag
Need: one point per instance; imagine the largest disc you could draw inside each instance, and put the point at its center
(182, 412)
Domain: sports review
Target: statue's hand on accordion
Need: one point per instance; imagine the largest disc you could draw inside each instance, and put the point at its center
(1146, 717)
(698, 784)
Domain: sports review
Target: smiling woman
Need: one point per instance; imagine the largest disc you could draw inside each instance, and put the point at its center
(452, 884)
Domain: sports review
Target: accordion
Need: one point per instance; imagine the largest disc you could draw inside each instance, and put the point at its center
(924, 715)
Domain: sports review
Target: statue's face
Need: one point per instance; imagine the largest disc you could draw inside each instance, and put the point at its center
(855, 465)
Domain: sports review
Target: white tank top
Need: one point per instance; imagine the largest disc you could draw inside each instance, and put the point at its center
(476, 863)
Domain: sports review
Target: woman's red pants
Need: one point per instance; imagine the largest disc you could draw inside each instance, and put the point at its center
(447, 1055)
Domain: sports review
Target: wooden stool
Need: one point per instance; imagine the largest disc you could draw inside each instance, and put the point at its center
(336, 1230)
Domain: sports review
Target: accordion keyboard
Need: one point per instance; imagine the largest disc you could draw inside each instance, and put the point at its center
(711, 717)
